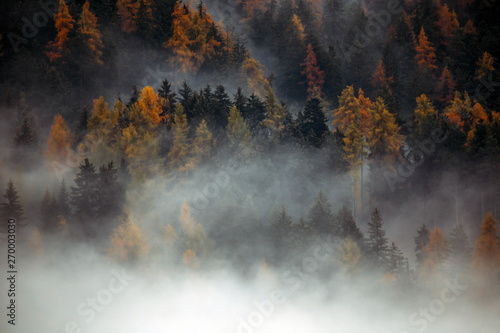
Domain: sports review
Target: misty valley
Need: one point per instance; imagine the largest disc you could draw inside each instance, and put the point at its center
(249, 166)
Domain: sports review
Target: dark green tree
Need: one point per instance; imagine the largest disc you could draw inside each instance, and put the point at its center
(12, 209)
(460, 249)
(376, 242)
(281, 228)
(346, 227)
(313, 125)
(421, 241)
(320, 215)
(85, 198)
(49, 212)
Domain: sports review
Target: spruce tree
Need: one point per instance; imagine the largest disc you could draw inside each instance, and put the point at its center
(85, 197)
(377, 242)
(346, 227)
(281, 228)
(421, 241)
(320, 215)
(314, 121)
(12, 209)
(460, 250)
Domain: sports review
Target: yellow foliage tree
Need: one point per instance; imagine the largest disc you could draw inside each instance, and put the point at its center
(437, 251)
(178, 154)
(237, 130)
(201, 147)
(127, 242)
(90, 34)
(256, 81)
(423, 112)
(151, 105)
(349, 255)
(487, 248)
(59, 141)
(485, 65)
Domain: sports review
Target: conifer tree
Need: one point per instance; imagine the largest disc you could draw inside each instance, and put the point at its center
(460, 250)
(313, 126)
(347, 227)
(437, 250)
(426, 56)
(281, 229)
(63, 200)
(320, 216)
(26, 135)
(315, 78)
(237, 129)
(201, 147)
(64, 23)
(376, 242)
(49, 212)
(179, 151)
(487, 248)
(89, 32)
(12, 209)
(85, 197)
(421, 241)
(59, 140)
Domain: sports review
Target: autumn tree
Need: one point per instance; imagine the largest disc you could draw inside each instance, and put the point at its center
(179, 151)
(445, 86)
(486, 256)
(437, 251)
(384, 138)
(127, 242)
(59, 141)
(484, 65)
(90, 34)
(12, 209)
(424, 115)
(380, 80)
(314, 76)
(237, 130)
(201, 147)
(63, 21)
(127, 10)
(350, 254)
(275, 113)
(151, 105)
(426, 56)
(195, 237)
(254, 72)
(447, 22)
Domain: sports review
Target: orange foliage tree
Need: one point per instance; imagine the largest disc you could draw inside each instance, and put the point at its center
(59, 140)
(90, 34)
(314, 76)
(63, 23)
(487, 247)
(426, 57)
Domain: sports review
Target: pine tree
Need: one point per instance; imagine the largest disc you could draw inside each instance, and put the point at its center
(85, 198)
(63, 200)
(110, 192)
(421, 241)
(313, 125)
(26, 135)
(255, 112)
(314, 76)
(320, 216)
(460, 250)
(89, 32)
(376, 242)
(281, 229)
(12, 209)
(59, 140)
(347, 227)
(487, 248)
(58, 48)
(178, 152)
(397, 263)
(49, 211)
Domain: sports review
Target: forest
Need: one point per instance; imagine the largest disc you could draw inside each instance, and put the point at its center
(254, 165)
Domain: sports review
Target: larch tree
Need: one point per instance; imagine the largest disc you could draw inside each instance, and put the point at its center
(90, 34)
(178, 154)
(445, 86)
(437, 251)
(64, 23)
(426, 56)
(384, 138)
(350, 254)
(447, 22)
(237, 130)
(59, 141)
(127, 10)
(201, 147)
(127, 242)
(180, 42)
(254, 72)
(151, 105)
(275, 113)
(484, 66)
(195, 236)
(380, 79)
(486, 256)
(12, 209)
(315, 78)
(423, 114)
